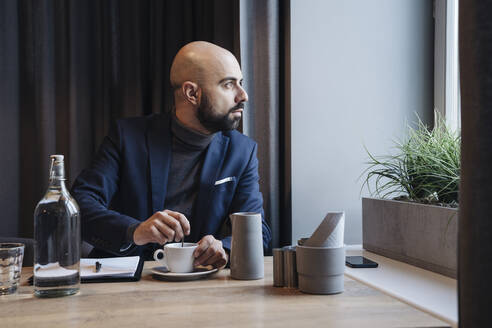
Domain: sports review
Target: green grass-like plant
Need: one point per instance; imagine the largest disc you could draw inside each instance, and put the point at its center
(425, 168)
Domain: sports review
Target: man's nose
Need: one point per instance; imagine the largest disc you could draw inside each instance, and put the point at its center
(241, 96)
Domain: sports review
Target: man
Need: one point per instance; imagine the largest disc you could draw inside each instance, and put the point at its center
(163, 178)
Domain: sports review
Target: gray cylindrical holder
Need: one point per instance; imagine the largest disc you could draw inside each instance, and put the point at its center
(320, 269)
(278, 267)
(247, 261)
(290, 269)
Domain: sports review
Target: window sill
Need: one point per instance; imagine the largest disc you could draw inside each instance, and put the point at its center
(425, 290)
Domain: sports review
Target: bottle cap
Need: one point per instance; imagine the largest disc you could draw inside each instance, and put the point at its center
(57, 158)
(56, 167)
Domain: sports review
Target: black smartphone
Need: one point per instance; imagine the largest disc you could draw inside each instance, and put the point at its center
(359, 262)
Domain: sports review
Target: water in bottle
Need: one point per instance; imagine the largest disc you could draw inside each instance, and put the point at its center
(57, 235)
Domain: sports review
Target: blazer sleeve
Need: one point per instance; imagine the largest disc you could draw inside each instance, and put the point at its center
(248, 198)
(94, 189)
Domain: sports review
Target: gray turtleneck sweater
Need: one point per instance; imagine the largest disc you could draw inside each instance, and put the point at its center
(188, 153)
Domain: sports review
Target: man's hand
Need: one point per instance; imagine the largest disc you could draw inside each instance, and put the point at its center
(210, 252)
(162, 227)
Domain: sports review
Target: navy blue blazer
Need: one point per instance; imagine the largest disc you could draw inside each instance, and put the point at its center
(127, 183)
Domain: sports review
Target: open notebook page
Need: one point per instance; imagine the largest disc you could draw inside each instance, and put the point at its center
(112, 266)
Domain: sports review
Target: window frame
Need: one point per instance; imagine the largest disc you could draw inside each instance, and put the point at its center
(446, 63)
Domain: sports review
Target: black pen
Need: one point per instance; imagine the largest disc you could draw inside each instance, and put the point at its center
(98, 266)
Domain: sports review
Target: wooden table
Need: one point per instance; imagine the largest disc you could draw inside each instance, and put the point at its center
(218, 301)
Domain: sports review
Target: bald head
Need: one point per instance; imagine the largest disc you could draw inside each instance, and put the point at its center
(207, 83)
(199, 62)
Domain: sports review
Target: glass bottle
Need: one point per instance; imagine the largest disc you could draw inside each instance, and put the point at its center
(57, 235)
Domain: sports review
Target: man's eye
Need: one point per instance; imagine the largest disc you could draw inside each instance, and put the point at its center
(228, 85)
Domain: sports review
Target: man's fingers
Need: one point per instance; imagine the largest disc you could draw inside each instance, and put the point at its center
(173, 224)
(214, 247)
(203, 245)
(165, 230)
(162, 227)
(157, 236)
(205, 256)
(217, 260)
(220, 263)
(185, 224)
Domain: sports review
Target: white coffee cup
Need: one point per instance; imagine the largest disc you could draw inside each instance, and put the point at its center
(176, 258)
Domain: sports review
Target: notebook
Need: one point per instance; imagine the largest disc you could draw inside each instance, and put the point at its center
(112, 269)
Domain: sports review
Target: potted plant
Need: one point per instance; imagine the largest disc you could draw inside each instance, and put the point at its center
(414, 219)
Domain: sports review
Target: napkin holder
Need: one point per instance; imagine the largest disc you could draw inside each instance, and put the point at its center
(320, 269)
(321, 258)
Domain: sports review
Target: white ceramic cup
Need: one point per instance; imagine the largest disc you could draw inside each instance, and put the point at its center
(176, 258)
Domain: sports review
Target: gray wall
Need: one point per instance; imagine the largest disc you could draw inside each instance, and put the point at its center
(360, 72)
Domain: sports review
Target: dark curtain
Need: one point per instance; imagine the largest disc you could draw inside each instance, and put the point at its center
(263, 48)
(475, 224)
(69, 68)
(9, 119)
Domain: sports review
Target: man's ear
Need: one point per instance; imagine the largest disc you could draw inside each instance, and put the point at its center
(191, 92)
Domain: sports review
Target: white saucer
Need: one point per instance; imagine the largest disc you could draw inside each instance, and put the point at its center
(163, 273)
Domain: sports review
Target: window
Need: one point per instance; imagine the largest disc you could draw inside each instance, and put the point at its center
(446, 67)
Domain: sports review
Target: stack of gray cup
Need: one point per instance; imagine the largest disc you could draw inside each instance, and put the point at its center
(319, 261)
(284, 267)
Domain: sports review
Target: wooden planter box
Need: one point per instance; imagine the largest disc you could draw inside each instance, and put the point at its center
(422, 235)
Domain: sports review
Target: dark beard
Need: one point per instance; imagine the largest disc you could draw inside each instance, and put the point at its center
(216, 122)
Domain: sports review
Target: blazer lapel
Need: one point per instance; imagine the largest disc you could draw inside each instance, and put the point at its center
(159, 143)
(210, 170)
